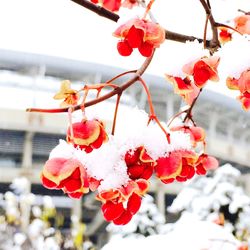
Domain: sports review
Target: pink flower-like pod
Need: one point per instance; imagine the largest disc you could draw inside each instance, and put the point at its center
(203, 70)
(184, 87)
(141, 34)
(66, 174)
(204, 163)
(87, 135)
(245, 100)
(112, 5)
(242, 24)
(178, 165)
(243, 85)
(224, 35)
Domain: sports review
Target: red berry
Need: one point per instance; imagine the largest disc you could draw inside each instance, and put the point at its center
(112, 211)
(123, 48)
(146, 49)
(134, 203)
(135, 171)
(200, 170)
(124, 219)
(132, 157)
(135, 37)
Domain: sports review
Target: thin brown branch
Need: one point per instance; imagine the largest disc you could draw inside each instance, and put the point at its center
(115, 113)
(228, 27)
(98, 10)
(205, 32)
(120, 75)
(116, 91)
(169, 35)
(245, 12)
(177, 37)
(189, 111)
(214, 43)
(208, 4)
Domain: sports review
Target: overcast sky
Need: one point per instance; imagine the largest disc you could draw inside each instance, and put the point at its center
(62, 28)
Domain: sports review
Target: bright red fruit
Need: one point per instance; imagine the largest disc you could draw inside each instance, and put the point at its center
(225, 35)
(146, 49)
(135, 37)
(124, 48)
(118, 212)
(203, 70)
(178, 165)
(134, 203)
(142, 34)
(205, 163)
(112, 5)
(243, 85)
(140, 165)
(66, 174)
(112, 211)
(124, 219)
(120, 204)
(87, 134)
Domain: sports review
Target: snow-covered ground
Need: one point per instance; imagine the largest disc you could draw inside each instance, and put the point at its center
(189, 233)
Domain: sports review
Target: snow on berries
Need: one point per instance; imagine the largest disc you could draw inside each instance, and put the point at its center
(87, 134)
(120, 166)
(140, 34)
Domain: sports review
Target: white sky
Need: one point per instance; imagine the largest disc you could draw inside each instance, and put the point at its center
(62, 28)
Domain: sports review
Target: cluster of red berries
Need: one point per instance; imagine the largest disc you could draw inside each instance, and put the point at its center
(119, 204)
(139, 34)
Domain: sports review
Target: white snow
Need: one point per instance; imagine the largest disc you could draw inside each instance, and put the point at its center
(107, 162)
(234, 57)
(189, 234)
(63, 149)
(189, 51)
(20, 185)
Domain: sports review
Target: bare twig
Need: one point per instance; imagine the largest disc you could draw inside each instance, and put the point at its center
(189, 111)
(228, 27)
(98, 10)
(116, 91)
(245, 12)
(205, 32)
(169, 35)
(214, 43)
(115, 113)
